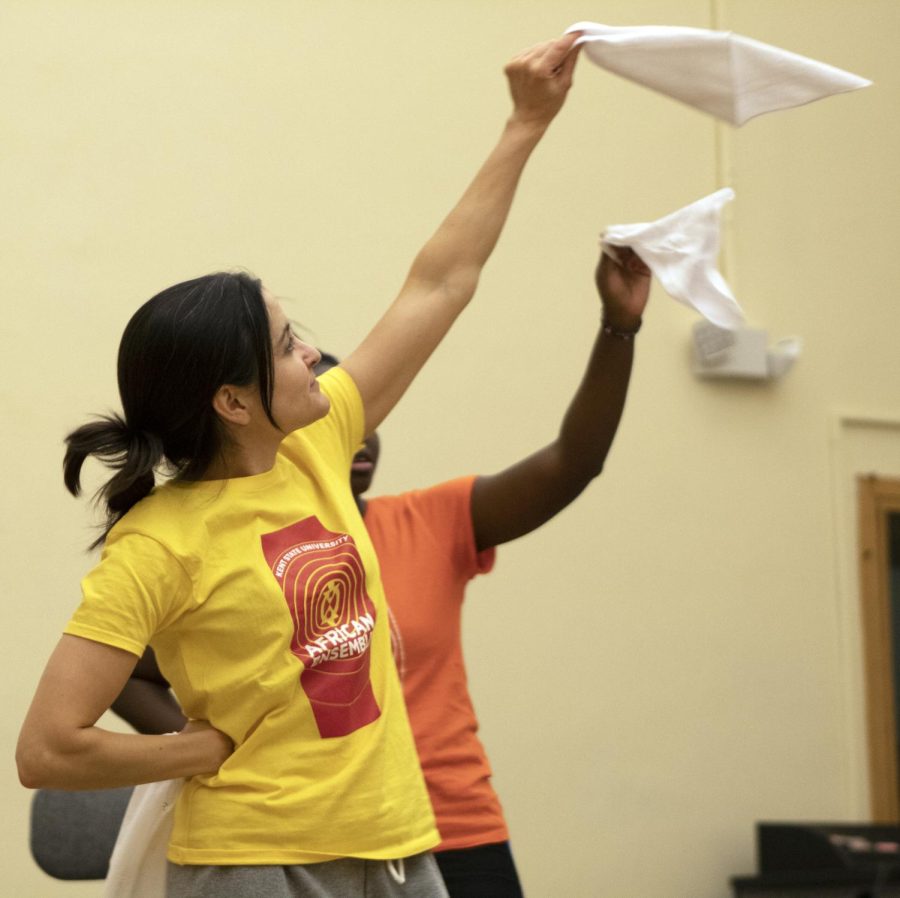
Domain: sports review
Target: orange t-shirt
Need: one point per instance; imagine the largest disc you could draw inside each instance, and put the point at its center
(426, 549)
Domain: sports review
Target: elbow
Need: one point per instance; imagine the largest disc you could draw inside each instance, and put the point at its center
(581, 471)
(39, 765)
(455, 284)
(581, 479)
(593, 470)
(32, 767)
(29, 781)
(579, 465)
(585, 476)
(461, 285)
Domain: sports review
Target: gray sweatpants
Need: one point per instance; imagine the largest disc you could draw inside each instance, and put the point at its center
(348, 877)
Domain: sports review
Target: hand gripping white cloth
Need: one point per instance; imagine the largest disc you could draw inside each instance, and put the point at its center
(727, 75)
(681, 250)
(137, 868)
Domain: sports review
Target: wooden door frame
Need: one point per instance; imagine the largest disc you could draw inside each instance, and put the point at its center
(876, 498)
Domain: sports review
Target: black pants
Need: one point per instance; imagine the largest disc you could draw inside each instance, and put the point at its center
(485, 871)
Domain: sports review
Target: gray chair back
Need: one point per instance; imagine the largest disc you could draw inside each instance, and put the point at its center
(73, 833)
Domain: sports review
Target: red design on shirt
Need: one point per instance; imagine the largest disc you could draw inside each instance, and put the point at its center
(324, 583)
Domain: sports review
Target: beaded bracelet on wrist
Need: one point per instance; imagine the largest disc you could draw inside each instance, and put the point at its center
(611, 331)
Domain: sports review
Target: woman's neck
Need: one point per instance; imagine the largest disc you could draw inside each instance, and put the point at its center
(241, 461)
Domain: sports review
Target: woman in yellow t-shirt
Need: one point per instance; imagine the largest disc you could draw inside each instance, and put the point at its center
(251, 574)
(430, 543)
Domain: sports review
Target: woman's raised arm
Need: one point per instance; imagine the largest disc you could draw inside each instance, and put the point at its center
(445, 273)
(516, 501)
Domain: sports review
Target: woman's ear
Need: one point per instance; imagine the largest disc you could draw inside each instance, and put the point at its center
(233, 404)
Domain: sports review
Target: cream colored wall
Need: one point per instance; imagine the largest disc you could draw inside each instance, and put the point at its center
(677, 655)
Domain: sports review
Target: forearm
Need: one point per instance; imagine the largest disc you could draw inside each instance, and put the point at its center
(592, 418)
(442, 279)
(455, 255)
(593, 415)
(445, 273)
(521, 498)
(94, 758)
(149, 707)
(61, 746)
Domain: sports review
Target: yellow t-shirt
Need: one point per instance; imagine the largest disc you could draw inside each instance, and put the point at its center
(262, 599)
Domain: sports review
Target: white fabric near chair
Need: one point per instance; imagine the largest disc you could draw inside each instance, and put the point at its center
(727, 75)
(137, 868)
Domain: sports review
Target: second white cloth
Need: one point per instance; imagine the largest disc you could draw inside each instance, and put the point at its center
(682, 249)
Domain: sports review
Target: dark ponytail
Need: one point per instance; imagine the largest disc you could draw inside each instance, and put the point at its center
(132, 455)
(177, 350)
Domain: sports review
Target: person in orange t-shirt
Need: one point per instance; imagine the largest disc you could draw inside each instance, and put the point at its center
(430, 543)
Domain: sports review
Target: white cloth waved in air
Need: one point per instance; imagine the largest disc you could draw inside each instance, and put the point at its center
(727, 75)
(681, 249)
